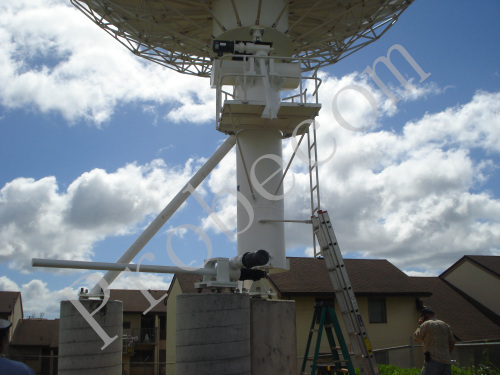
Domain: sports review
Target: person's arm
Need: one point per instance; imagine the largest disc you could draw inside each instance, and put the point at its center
(418, 336)
(451, 339)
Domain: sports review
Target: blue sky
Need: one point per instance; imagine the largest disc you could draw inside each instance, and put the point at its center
(95, 142)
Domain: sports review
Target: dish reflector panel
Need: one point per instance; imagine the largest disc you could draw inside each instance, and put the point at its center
(179, 34)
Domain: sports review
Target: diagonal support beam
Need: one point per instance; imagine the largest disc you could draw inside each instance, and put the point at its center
(169, 210)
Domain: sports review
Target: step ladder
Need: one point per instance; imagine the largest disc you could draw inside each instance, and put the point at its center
(340, 361)
(329, 249)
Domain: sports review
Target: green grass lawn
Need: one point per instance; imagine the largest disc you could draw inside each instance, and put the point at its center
(482, 369)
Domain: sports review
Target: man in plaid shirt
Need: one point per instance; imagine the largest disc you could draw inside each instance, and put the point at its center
(438, 343)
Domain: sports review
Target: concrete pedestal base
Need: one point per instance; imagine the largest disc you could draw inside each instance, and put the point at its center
(83, 336)
(234, 334)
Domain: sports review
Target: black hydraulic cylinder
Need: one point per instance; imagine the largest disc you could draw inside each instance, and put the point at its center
(248, 274)
(259, 258)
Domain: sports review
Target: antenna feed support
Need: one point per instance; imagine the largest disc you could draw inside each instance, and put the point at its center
(220, 47)
(257, 32)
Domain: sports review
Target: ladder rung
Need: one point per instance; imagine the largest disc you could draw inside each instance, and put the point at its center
(332, 363)
(343, 370)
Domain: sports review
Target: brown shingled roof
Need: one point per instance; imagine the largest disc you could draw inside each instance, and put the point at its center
(8, 301)
(309, 276)
(367, 277)
(467, 322)
(36, 332)
(135, 301)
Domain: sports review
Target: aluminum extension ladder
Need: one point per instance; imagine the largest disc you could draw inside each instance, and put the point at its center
(360, 344)
(312, 152)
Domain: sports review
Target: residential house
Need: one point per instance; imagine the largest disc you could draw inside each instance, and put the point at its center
(465, 296)
(389, 302)
(471, 274)
(36, 343)
(11, 309)
(144, 331)
(385, 295)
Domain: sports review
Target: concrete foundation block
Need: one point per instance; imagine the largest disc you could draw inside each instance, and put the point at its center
(80, 345)
(230, 333)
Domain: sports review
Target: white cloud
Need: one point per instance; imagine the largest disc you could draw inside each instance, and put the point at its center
(410, 197)
(41, 222)
(54, 59)
(221, 180)
(473, 125)
(38, 299)
(142, 281)
(7, 284)
(390, 194)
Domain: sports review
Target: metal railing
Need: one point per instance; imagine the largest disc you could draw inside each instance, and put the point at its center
(465, 354)
(144, 335)
(300, 97)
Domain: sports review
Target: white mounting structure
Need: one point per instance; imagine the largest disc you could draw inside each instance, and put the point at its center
(217, 273)
(257, 48)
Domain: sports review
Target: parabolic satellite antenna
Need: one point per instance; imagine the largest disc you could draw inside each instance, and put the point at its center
(261, 56)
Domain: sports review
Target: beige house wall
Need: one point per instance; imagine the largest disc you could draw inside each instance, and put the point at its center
(17, 314)
(402, 318)
(135, 322)
(471, 279)
(171, 324)
(402, 321)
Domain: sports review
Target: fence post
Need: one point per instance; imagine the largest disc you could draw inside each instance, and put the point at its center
(412, 357)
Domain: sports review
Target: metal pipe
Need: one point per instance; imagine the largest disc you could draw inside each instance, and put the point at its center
(119, 267)
(169, 210)
(263, 221)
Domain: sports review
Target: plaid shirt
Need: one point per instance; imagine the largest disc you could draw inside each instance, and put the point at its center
(437, 339)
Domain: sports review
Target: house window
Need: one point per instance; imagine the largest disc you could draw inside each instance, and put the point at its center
(143, 356)
(376, 310)
(126, 325)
